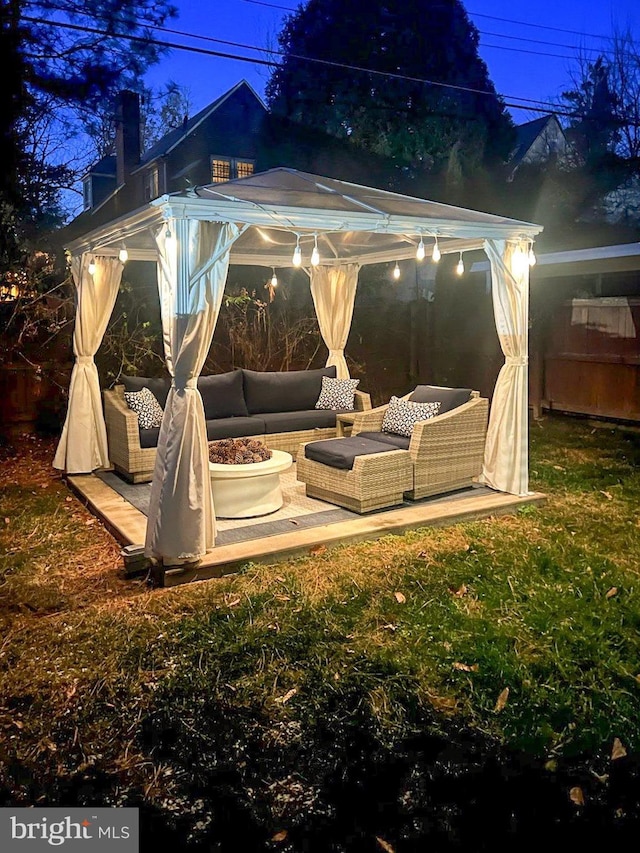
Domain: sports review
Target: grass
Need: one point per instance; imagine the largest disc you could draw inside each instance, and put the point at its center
(518, 632)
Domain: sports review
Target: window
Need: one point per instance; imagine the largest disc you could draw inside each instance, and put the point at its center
(244, 168)
(87, 193)
(228, 168)
(151, 184)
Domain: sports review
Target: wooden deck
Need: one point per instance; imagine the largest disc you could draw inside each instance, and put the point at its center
(128, 525)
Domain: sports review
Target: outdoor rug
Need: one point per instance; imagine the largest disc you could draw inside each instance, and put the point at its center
(298, 512)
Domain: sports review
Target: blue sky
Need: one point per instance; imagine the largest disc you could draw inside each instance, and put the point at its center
(517, 43)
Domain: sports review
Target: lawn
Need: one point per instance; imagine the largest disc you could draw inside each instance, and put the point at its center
(459, 688)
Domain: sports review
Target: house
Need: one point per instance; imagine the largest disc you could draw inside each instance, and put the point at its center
(233, 137)
(218, 143)
(538, 141)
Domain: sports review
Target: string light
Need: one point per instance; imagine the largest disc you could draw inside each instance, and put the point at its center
(274, 278)
(92, 266)
(315, 255)
(436, 254)
(460, 266)
(123, 255)
(396, 271)
(170, 240)
(420, 253)
(532, 256)
(297, 253)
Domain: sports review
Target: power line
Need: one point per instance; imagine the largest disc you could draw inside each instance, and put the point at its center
(546, 106)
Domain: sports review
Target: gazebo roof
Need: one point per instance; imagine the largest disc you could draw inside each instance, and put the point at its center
(352, 223)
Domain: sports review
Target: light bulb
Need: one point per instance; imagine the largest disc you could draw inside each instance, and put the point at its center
(123, 255)
(274, 279)
(297, 256)
(460, 266)
(396, 271)
(532, 257)
(92, 266)
(435, 254)
(420, 250)
(315, 255)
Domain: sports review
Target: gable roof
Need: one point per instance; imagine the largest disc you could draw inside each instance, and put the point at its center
(527, 133)
(169, 141)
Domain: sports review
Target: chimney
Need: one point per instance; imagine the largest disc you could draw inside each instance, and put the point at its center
(127, 134)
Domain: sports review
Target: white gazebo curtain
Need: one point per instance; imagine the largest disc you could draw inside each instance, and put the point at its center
(334, 292)
(506, 460)
(192, 272)
(83, 444)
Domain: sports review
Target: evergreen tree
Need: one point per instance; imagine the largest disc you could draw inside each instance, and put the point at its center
(417, 96)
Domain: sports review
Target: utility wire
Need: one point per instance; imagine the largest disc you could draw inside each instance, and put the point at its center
(524, 102)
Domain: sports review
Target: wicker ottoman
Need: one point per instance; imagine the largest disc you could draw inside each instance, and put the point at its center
(376, 480)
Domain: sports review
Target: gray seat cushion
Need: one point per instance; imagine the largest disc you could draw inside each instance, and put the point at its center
(223, 395)
(234, 428)
(283, 391)
(341, 452)
(149, 437)
(449, 398)
(399, 442)
(292, 421)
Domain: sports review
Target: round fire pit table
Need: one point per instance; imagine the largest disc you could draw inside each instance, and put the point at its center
(246, 491)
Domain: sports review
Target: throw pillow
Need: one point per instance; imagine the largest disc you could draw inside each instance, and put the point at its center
(401, 415)
(337, 393)
(146, 406)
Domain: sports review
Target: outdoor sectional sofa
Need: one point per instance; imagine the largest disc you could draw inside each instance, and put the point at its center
(276, 407)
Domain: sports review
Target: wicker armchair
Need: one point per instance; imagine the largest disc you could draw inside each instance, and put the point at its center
(447, 451)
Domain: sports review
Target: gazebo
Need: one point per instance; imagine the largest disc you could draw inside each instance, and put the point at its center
(278, 218)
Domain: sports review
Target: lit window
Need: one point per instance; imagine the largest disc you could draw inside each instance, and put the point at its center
(244, 168)
(228, 168)
(151, 185)
(220, 170)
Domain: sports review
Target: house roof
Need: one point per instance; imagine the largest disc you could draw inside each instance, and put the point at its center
(279, 207)
(527, 133)
(169, 141)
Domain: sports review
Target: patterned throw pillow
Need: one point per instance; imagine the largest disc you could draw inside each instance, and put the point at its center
(401, 415)
(337, 393)
(146, 406)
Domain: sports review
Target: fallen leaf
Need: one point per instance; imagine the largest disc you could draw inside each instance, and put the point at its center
(607, 495)
(459, 592)
(501, 701)
(576, 796)
(400, 598)
(7, 521)
(317, 549)
(389, 627)
(384, 845)
(559, 468)
(282, 597)
(464, 667)
(288, 695)
(68, 498)
(618, 750)
(611, 592)
(280, 836)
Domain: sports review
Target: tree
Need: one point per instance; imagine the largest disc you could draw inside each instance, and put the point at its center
(418, 101)
(595, 124)
(67, 60)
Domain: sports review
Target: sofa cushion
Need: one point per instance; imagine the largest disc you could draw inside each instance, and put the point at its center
(449, 398)
(399, 442)
(147, 408)
(149, 437)
(283, 391)
(337, 394)
(341, 452)
(158, 385)
(234, 428)
(402, 415)
(293, 421)
(223, 395)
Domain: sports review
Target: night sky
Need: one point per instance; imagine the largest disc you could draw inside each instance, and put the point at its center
(524, 70)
